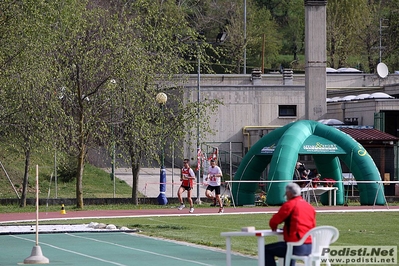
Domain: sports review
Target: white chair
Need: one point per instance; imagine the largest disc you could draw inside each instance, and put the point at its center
(322, 237)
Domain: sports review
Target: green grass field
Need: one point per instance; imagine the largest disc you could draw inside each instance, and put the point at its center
(356, 229)
(371, 228)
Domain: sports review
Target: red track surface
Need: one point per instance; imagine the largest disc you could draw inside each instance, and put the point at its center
(12, 217)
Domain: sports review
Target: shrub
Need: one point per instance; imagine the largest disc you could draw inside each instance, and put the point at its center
(67, 169)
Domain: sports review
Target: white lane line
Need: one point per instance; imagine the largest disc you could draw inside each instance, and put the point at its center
(140, 250)
(70, 251)
(196, 214)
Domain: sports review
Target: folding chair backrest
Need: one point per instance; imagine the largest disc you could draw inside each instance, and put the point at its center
(323, 236)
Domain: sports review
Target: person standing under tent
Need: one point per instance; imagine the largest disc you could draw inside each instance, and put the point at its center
(301, 174)
(187, 178)
(214, 178)
(297, 174)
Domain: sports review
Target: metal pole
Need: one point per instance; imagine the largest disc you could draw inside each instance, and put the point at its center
(9, 179)
(163, 144)
(198, 127)
(37, 205)
(113, 165)
(162, 200)
(173, 168)
(231, 163)
(113, 81)
(55, 173)
(113, 147)
(245, 37)
(380, 39)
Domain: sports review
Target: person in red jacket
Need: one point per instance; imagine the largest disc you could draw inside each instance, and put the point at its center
(298, 217)
(187, 179)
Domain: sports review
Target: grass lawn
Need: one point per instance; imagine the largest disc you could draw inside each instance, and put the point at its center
(374, 228)
(356, 229)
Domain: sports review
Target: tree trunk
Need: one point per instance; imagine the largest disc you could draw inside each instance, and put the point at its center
(135, 173)
(79, 178)
(332, 53)
(370, 63)
(81, 163)
(25, 182)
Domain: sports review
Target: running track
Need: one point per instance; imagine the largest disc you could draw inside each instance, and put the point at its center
(20, 217)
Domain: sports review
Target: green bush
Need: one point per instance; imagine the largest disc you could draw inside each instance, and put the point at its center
(67, 169)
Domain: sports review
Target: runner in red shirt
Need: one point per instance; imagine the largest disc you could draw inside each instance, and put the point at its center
(298, 217)
(187, 177)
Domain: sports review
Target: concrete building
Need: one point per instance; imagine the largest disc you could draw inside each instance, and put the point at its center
(255, 105)
(252, 107)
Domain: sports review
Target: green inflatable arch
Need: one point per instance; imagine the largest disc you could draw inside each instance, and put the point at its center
(279, 150)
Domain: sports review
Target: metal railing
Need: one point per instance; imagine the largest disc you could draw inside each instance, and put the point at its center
(229, 158)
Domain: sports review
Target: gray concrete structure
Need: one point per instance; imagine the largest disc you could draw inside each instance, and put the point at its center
(149, 182)
(315, 59)
(251, 108)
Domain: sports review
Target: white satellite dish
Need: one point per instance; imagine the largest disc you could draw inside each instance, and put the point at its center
(382, 70)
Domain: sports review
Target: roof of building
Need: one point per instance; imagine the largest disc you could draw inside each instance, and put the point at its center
(368, 134)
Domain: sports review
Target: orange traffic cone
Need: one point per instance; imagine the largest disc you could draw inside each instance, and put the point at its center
(63, 209)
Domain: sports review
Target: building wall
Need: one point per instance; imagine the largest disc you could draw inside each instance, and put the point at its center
(247, 106)
(340, 81)
(252, 104)
(363, 110)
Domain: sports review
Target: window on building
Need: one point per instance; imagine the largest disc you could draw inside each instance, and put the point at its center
(287, 110)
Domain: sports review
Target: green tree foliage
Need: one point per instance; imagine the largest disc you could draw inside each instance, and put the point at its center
(353, 31)
(58, 58)
(390, 34)
(289, 16)
(234, 45)
(366, 37)
(344, 22)
(263, 42)
(82, 53)
(57, 77)
(143, 128)
(225, 18)
(133, 44)
(210, 19)
(29, 109)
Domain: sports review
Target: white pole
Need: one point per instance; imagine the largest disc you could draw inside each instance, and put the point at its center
(231, 163)
(36, 256)
(198, 127)
(113, 167)
(55, 173)
(37, 205)
(173, 167)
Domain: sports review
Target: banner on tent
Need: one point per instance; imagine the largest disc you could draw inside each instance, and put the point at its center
(312, 145)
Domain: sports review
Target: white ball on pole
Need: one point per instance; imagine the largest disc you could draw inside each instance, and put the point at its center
(161, 98)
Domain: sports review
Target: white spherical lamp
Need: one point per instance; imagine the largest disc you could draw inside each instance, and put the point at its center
(161, 98)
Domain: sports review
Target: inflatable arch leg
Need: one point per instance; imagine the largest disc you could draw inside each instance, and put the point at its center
(363, 168)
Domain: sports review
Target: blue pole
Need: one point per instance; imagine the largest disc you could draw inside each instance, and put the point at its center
(162, 200)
